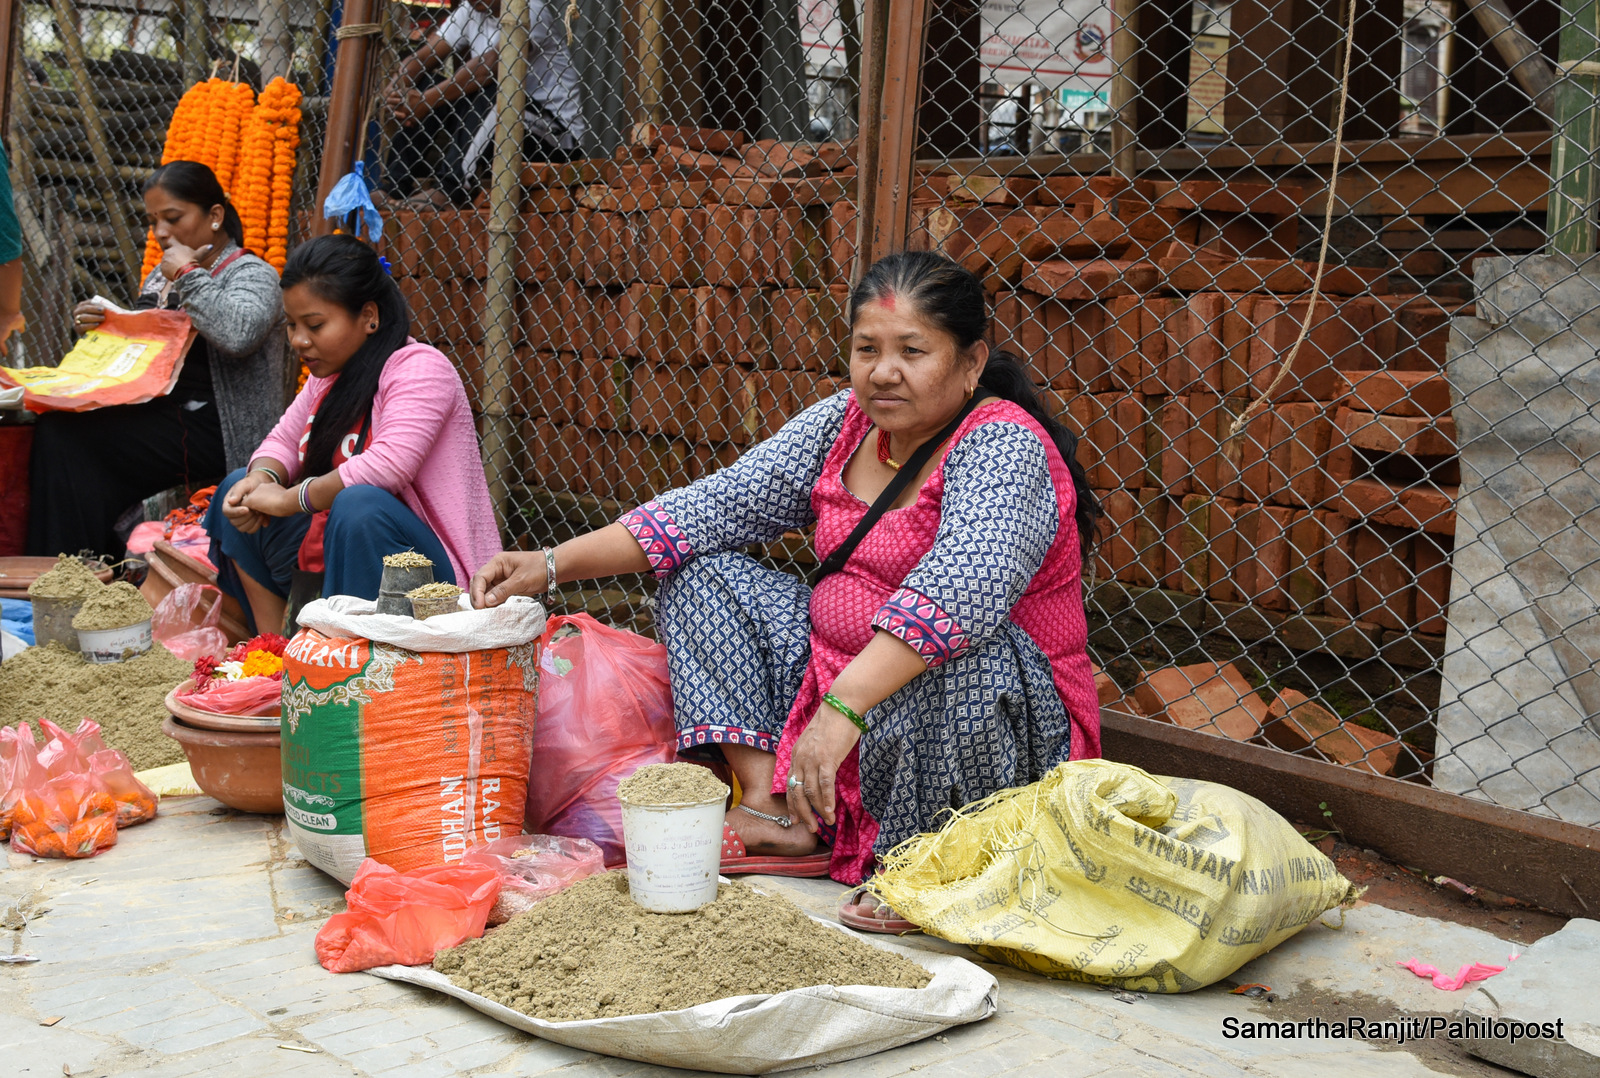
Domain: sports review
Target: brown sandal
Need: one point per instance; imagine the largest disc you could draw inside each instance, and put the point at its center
(889, 926)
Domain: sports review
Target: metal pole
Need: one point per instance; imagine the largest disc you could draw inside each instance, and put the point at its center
(500, 290)
(99, 144)
(898, 133)
(1124, 46)
(347, 109)
(1574, 172)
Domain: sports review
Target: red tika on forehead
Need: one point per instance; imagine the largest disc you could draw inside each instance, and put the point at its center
(888, 300)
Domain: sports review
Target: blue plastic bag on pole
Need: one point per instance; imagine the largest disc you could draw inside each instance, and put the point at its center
(351, 195)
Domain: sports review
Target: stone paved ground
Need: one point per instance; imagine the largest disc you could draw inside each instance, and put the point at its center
(186, 950)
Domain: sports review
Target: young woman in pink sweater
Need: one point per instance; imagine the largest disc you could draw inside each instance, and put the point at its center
(377, 454)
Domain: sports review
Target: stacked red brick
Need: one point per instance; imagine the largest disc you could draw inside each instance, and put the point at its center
(1156, 312)
(678, 302)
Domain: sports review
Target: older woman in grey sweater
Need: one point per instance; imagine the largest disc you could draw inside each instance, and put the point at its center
(88, 468)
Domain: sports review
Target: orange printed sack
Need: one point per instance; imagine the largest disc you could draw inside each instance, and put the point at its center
(408, 757)
(129, 358)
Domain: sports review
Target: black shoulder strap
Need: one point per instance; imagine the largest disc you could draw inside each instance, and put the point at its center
(908, 471)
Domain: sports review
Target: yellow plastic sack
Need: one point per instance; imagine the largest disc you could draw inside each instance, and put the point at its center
(1102, 873)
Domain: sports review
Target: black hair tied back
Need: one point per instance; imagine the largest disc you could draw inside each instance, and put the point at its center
(953, 299)
(344, 270)
(194, 183)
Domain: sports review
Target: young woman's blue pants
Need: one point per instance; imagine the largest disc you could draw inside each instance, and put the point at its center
(364, 524)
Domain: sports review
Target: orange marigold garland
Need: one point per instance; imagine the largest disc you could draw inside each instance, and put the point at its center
(205, 127)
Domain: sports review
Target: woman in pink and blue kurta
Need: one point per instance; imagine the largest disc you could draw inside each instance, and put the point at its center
(945, 660)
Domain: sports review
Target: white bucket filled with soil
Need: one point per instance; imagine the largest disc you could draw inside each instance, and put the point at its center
(672, 817)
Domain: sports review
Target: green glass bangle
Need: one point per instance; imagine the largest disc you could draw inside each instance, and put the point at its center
(844, 709)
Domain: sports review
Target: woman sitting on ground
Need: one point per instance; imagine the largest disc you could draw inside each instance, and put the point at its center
(88, 468)
(378, 453)
(944, 661)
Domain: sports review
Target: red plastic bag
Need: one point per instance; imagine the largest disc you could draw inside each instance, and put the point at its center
(58, 808)
(84, 751)
(532, 867)
(8, 763)
(185, 626)
(402, 918)
(605, 710)
(262, 695)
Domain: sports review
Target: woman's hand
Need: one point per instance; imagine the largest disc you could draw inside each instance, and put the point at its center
(270, 499)
(87, 316)
(178, 256)
(509, 573)
(246, 520)
(817, 756)
(409, 107)
(10, 323)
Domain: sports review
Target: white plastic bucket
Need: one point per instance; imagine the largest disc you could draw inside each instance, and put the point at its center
(674, 854)
(111, 645)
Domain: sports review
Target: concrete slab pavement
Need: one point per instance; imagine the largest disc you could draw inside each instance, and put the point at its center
(187, 950)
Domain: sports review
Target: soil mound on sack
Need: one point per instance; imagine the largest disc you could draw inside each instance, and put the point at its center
(112, 607)
(592, 952)
(70, 580)
(127, 699)
(671, 784)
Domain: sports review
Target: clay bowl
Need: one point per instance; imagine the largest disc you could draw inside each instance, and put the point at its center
(242, 769)
(211, 720)
(17, 573)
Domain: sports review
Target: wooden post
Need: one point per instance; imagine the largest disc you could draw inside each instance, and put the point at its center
(1520, 52)
(10, 24)
(500, 329)
(1124, 76)
(901, 85)
(652, 15)
(869, 126)
(99, 145)
(1574, 172)
(347, 109)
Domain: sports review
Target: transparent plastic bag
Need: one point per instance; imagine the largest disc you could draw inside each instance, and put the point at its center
(534, 867)
(9, 738)
(185, 626)
(84, 750)
(402, 918)
(605, 710)
(57, 806)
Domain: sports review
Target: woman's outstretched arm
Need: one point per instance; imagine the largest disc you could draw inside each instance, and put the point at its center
(610, 551)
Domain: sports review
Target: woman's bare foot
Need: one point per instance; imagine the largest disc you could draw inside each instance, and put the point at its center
(870, 905)
(765, 837)
(866, 912)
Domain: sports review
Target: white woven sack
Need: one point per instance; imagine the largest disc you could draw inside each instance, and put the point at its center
(516, 621)
(805, 1027)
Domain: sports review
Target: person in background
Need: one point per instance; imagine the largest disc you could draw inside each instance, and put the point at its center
(376, 455)
(554, 120)
(943, 659)
(10, 261)
(88, 467)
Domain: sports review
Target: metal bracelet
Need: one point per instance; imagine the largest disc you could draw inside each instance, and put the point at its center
(550, 595)
(303, 495)
(276, 478)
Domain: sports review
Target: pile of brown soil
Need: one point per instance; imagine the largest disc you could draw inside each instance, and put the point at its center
(592, 952)
(70, 580)
(671, 784)
(112, 607)
(127, 699)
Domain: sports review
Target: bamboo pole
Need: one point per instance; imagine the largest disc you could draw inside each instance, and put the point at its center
(196, 41)
(500, 290)
(1574, 171)
(347, 109)
(99, 145)
(652, 46)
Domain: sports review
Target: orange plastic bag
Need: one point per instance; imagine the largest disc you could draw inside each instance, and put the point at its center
(129, 358)
(408, 757)
(402, 918)
(135, 801)
(65, 814)
(605, 710)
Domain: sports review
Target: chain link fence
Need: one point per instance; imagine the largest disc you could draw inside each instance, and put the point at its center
(1389, 566)
(94, 90)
